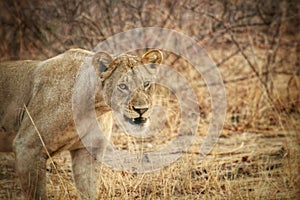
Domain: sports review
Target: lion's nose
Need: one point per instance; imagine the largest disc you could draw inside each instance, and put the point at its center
(140, 110)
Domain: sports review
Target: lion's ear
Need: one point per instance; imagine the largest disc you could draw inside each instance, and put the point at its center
(154, 56)
(101, 61)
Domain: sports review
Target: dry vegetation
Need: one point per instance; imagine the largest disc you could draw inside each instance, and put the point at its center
(256, 46)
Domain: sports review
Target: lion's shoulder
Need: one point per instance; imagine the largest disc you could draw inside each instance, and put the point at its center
(70, 56)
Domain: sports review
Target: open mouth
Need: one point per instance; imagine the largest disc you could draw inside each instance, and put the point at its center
(135, 121)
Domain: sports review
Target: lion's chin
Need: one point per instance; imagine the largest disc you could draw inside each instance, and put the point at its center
(136, 126)
(140, 121)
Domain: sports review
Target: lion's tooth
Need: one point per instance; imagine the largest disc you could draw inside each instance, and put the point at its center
(133, 119)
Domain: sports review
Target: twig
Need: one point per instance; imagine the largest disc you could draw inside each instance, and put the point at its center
(227, 152)
(249, 77)
(47, 152)
(210, 153)
(230, 56)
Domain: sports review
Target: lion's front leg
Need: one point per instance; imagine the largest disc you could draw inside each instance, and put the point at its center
(31, 169)
(86, 173)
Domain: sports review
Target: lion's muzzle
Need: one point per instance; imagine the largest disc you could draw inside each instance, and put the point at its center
(140, 110)
(137, 115)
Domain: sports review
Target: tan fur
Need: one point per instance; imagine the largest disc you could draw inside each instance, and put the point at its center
(46, 87)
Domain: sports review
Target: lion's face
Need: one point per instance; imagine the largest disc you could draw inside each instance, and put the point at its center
(128, 84)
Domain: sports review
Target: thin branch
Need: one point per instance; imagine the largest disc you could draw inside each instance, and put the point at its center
(47, 152)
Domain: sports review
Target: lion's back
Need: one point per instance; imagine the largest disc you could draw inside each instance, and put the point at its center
(36, 82)
(15, 88)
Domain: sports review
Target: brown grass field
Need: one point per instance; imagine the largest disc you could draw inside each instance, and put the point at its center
(257, 155)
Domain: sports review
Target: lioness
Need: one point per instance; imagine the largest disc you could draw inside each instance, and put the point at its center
(45, 89)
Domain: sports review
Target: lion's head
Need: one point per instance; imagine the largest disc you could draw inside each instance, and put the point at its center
(128, 86)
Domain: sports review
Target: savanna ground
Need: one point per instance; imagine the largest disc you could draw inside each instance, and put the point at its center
(256, 48)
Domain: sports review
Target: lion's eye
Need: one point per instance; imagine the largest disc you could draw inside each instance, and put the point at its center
(146, 84)
(123, 86)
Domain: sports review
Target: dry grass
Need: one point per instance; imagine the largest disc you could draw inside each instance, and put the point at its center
(265, 167)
